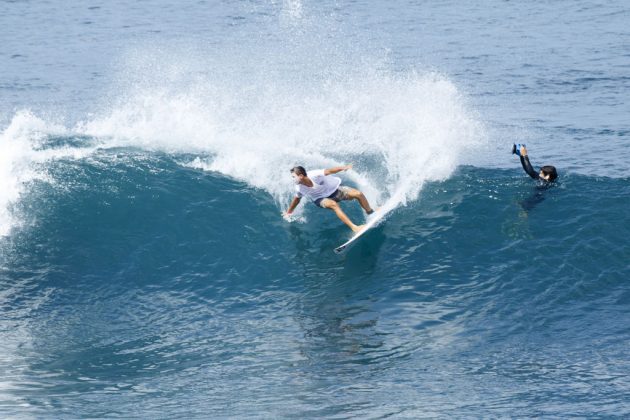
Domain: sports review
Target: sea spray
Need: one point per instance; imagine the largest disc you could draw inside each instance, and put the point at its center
(23, 160)
(399, 131)
(302, 92)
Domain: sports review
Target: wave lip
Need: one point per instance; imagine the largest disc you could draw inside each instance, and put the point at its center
(18, 162)
(26, 150)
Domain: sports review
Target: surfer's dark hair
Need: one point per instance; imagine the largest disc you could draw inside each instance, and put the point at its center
(298, 170)
(551, 171)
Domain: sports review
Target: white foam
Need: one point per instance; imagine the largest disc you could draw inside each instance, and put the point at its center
(17, 143)
(23, 160)
(399, 131)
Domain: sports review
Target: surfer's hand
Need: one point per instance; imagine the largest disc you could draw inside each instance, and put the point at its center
(287, 216)
(523, 151)
(348, 167)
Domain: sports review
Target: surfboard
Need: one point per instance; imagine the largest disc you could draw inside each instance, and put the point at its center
(373, 221)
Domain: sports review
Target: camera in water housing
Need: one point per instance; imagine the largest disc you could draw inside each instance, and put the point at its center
(516, 149)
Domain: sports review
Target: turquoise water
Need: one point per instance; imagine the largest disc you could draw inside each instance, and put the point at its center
(146, 271)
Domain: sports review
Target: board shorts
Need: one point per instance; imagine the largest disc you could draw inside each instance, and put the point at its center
(340, 194)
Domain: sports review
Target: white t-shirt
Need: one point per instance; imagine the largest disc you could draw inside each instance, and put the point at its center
(323, 185)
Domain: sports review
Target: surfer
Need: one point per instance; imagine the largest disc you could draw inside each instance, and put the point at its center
(547, 173)
(326, 192)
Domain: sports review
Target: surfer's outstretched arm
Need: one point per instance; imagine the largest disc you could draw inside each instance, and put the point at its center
(293, 205)
(336, 169)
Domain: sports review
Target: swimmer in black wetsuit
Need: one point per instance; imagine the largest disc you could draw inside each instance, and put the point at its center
(547, 173)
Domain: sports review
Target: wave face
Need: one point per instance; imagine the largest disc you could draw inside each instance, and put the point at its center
(146, 271)
(139, 281)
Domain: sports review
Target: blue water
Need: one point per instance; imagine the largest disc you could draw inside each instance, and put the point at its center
(145, 268)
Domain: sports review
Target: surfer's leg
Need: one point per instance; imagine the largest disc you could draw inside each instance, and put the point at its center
(327, 203)
(354, 194)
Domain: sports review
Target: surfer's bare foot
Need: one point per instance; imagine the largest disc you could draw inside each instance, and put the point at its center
(357, 229)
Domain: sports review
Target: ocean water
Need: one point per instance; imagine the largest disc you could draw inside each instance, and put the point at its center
(146, 270)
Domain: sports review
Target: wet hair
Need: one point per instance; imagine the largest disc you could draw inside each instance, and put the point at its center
(298, 170)
(551, 171)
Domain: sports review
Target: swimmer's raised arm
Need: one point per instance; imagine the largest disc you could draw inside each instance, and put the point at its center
(547, 173)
